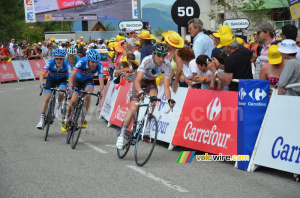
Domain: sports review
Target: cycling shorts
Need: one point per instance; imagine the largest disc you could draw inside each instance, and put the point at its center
(148, 85)
(52, 82)
(82, 84)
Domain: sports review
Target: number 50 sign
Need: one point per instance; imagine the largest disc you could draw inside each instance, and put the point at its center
(183, 11)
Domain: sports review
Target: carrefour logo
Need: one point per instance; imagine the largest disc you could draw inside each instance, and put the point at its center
(242, 93)
(257, 94)
(38, 65)
(22, 66)
(213, 109)
(4, 67)
(161, 104)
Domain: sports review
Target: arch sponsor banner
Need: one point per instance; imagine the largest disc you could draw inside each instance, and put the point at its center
(23, 70)
(37, 67)
(208, 122)
(45, 5)
(122, 105)
(7, 72)
(104, 93)
(109, 102)
(279, 146)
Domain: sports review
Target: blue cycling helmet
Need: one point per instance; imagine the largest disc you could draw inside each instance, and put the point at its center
(93, 55)
(59, 52)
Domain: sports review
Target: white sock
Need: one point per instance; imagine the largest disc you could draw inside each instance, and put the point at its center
(123, 130)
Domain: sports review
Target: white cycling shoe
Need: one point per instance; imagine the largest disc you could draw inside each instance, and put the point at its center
(120, 142)
(58, 113)
(40, 125)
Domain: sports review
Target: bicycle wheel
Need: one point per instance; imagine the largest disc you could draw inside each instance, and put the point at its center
(128, 139)
(77, 125)
(64, 109)
(144, 146)
(48, 119)
(69, 132)
(108, 2)
(94, 4)
(79, 5)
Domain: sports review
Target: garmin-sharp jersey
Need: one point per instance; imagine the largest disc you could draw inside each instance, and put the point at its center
(54, 72)
(150, 72)
(84, 72)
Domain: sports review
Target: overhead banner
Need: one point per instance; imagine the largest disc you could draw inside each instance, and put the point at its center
(208, 122)
(37, 67)
(45, 6)
(279, 145)
(23, 70)
(253, 102)
(7, 72)
(29, 11)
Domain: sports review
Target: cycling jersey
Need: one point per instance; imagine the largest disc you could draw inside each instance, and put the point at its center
(151, 72)
(74, 62)
(84, 72)
(54, 72)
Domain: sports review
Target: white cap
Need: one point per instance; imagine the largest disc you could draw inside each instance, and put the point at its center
(288, 46)
(91, 45)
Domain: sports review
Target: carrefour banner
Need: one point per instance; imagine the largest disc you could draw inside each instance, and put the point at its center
(23, 69)
(109, 101)
(279, 145)
(253, 102)
(104, 94)
(208, 122)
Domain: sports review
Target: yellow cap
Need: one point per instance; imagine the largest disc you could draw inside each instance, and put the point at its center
(279, 39)
(124, 59)
(111, 54)
(224, 29)
(145, 34)
(274, 55)
(240, 40)
(81, 37)
(226, 40)
(138, 43)
(118, 38)
(52, 39)
(173, 38)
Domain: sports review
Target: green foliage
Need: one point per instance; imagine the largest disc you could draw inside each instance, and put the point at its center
(158, 31)
(109, 27)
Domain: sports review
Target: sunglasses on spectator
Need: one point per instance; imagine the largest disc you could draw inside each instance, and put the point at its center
(258, 33)
(298, 42)
(59, 58)
(129, 33)
(159, 54)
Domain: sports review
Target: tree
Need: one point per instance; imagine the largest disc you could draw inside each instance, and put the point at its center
(158, 31)
(109, 26)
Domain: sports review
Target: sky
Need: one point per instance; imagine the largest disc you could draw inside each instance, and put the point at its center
(165, 2)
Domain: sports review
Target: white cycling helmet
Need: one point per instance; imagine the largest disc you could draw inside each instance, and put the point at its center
(72, 50)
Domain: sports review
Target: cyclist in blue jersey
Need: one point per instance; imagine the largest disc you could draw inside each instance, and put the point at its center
(82, 78)
(72, 57)
(58, 75)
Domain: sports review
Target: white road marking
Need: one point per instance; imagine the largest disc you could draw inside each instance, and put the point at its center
(19, 88)
(110, 145)
(94, 147)
(151, 176)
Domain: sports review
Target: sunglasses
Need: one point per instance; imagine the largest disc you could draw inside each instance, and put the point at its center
(129, 33)
(59, 58)
(258, 33)
(160, 54)
(298, 42)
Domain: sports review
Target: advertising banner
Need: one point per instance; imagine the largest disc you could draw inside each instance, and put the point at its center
(23, 69)
(37, 67)
(253, 102)
(7, 72)
(208, 122)
(109, 102)
(29, 11)
(45, 5)
(104, 94)
(279, 145)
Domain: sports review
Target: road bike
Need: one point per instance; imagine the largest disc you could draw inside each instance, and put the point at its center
(50, 116)
(81, 4)
(143, 134)
(110, 1)
(75, 124)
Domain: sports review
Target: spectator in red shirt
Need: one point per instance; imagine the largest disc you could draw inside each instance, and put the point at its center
(4, 52)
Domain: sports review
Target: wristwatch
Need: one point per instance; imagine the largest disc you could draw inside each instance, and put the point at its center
(216, 73)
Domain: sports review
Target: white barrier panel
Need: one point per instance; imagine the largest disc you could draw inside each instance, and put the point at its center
(278, 144)
(23, 69)
(109, 102)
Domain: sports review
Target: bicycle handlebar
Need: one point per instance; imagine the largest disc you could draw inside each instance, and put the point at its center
(53, 89)
(154, 98)
(89, 93)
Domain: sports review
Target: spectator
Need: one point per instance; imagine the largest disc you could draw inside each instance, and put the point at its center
(24, 43)
(187, 56)
(34, 54)
(44, 46)
(4, 52)
(202, 44)
(16, 53)
(271, 71)
(265, 37)
(290, 31)
(146, 40)
(39, 48)
(48, 52)
(237, 65)
(205, 75)
(130, 33)
(12, 43)
(298, 41)
(133, 47)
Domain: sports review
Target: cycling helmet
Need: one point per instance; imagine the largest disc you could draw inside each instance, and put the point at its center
(71, 50)
(59, 52)
(160, 47)
(93, 55)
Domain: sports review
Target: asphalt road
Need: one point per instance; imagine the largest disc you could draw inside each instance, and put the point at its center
(115, 10)
(31, 167)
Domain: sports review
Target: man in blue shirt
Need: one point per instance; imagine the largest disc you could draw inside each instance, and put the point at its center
(202, 43)
(147, 39)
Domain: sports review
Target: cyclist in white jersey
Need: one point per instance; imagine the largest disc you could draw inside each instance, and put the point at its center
(151, 67)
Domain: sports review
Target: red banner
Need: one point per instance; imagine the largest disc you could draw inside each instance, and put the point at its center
(104, 95)
(37, 67)
(208, 122)
(121, 106)
(7, 72)
(62, 4)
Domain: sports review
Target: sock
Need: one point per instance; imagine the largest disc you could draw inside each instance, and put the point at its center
(123, 130)
(84, 114)
(67, 117)
(42, 116)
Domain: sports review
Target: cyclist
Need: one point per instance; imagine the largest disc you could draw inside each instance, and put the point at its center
(151, 67)
(72, 57)
(58, 75)
(82, 78)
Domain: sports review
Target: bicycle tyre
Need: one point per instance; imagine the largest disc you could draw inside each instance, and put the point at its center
(79, 5)
(94, 4)
(144, 148)
(108, 2)
(64, 109)
(122, 152)
(76, 129)
(48, 118)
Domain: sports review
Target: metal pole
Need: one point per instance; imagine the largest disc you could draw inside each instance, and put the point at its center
(139, 10)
